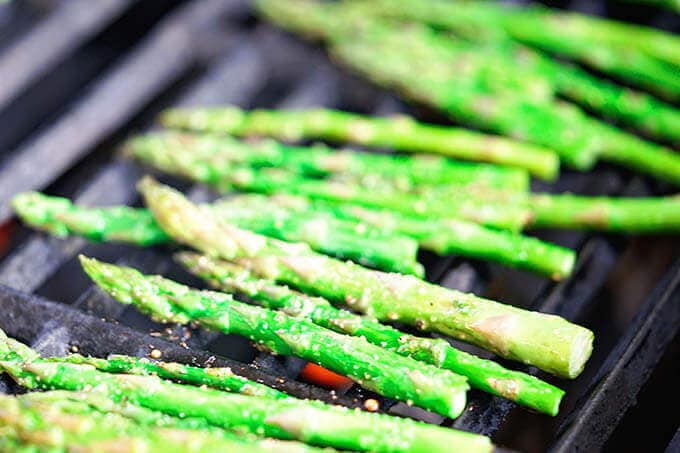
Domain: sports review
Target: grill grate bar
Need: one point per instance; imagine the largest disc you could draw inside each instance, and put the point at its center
(627, 367)
(51, 40)
(674, 445)
(40, 256)
(264, 65)
(569, 298)
(245, 66)
(160, 59)
(31, 318)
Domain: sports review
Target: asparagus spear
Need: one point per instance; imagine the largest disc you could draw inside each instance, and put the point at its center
(483, 374)
(69, 425)
(340, 238)
(402, 133)
(546, 341)
(319, 160)
(151, 419)
(219, 378)
(638, 215)
(441, 235)
(642, 55)
(370, 366)
(509, 213)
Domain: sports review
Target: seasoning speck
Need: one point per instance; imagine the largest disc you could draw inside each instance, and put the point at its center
(155, 354)
(371, 405)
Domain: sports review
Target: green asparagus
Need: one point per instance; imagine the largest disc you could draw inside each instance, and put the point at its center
(578, 138)
(483, 374)
(510, 212)
(319, 160)
(341, 238)
(219, 378)
(441, 235)
(642, 55)
(370, 366)
(638, 215)
(269, 216)
(308, 421)
(637, 109)
(638, 54)
(546, 341)
(70, 425)
(463, 98)
(401, 133)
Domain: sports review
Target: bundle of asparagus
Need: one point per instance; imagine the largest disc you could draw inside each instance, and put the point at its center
(341, 238)
(483, 374)
(641, 55)
(60, 421)
(579, 139)
(546, 341)
(372, 367)
(320, 161)
(490, 207)
(470, 22)
(441, 235)
(512, 211)
(273, 216)
(207, 409)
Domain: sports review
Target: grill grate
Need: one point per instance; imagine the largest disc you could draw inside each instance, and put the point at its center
(212, 52)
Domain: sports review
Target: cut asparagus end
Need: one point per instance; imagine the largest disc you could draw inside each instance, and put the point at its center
(580, 353)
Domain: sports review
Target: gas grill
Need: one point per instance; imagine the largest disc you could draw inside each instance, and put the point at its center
(77, 76)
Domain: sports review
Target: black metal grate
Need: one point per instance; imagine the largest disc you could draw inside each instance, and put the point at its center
(214, 52)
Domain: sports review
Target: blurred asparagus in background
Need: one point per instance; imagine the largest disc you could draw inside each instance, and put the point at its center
(466, 95)
(637, 54)
(634, 108)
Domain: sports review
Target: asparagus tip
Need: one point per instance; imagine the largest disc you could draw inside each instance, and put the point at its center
(566, 267)
(40, 211)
